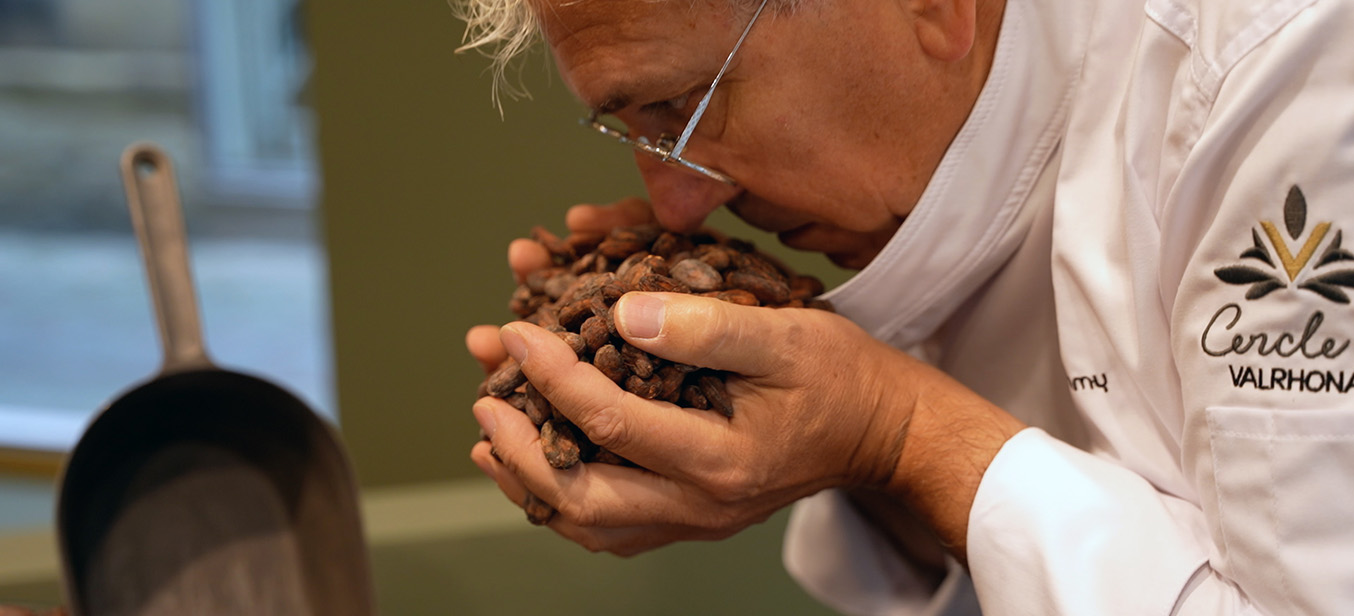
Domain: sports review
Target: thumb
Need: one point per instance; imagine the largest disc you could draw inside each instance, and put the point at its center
(704, 331)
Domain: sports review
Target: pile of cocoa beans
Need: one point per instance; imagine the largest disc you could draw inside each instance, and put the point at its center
(573, 298)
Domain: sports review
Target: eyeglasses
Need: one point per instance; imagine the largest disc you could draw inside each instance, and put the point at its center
(669, 147)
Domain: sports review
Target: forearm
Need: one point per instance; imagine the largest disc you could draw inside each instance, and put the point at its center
(952, 436)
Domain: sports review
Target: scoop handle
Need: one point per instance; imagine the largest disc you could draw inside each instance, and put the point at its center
(153, 200)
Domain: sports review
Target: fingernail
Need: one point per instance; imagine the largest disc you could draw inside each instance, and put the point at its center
(484, 414)
(513, 343)
(641, 315)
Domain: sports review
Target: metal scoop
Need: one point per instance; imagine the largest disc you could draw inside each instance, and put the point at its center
(203, 491)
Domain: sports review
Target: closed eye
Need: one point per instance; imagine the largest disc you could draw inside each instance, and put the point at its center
(666, 108)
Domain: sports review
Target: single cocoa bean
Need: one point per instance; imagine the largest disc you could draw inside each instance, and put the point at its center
(572, 315)
(693, 398)
(661, 284)
(608, 360)
(538, 511)
(557, 247)
(715, 255)
(741, 297)
(668, 244)
(805, 287)
(629, 262)
(505, 379)
(768, 290)
(698, 275)
(712, 387)
(559, 444)
(642, 387)
(576, 342)
(536, 407)
(558, 284)
(640, 363)
(621, 247)
(594, 333)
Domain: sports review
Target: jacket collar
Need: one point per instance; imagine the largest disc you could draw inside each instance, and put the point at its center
(973, 213)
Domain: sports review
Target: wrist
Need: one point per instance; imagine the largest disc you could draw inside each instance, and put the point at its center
(952, 436)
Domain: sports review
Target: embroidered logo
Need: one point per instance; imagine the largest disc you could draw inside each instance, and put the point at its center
(1322, 279)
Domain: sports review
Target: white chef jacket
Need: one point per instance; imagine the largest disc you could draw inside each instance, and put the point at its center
(1134, 245)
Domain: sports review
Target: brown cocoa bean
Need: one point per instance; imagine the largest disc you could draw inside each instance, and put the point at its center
(608, 360)
(584, 243)
(768, 290)
(805, 287)
(538, 511)
(693, 398)
(576, 342)
(661, 284)
(739, 296)
(639, 363)
(572, 315)
(652, 265)
(560, 444)
(621, 247)
(668, 244)
(558, 284)
(520, 303)
(537, 280)
(712, 387)
(517, 399)
(594, 333)
(536, 407)
(755, 262)
(642, 387)
(715, 255)
(558, 248)
(629, 262)
(670, 378)
(698, 275)
(505, 379)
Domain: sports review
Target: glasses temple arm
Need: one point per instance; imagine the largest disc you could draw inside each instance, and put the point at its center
(705, 100)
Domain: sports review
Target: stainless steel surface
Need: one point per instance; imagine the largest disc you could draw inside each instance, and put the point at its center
(204, 491)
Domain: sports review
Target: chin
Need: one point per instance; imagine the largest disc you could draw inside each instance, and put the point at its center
(851, 260)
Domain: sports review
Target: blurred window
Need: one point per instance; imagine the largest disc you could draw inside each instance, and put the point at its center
(222, 86)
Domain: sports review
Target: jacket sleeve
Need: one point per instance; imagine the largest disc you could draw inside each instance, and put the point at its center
(837, 556)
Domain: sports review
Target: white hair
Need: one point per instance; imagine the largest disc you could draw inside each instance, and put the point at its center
(503, 30)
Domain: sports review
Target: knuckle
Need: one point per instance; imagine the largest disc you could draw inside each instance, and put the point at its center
(730, 487)
(606, 426)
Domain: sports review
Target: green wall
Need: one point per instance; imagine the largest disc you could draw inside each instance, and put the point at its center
(424, 186)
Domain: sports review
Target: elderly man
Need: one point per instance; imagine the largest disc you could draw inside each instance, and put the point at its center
(1112, 231)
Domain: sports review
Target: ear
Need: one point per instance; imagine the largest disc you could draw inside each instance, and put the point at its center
(945, 28)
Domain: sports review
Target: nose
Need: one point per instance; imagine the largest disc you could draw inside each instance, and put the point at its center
(681, 199)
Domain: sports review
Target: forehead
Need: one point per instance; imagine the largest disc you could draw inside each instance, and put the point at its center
(610, 51)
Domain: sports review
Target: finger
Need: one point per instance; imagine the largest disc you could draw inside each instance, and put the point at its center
(588, 495)
(526, 256)
(656, 435)
(627, 212)
(708, 332)
(482, 342)
(623, 540)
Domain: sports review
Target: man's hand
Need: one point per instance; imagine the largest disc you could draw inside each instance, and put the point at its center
(818, 404)
(526, 256)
